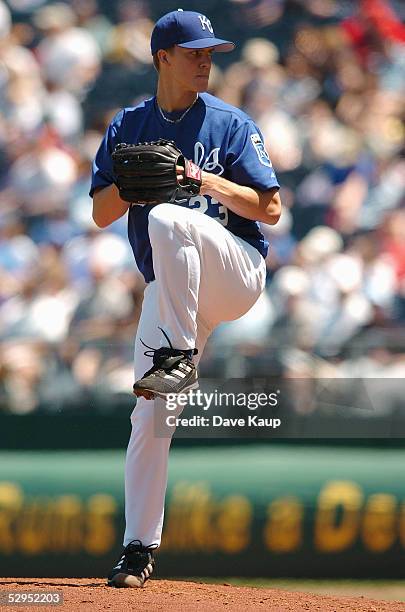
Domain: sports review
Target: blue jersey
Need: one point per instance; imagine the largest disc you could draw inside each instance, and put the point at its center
(219, 138)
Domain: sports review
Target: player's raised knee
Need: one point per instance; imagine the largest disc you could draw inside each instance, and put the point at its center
(162, 214)
(165, 218)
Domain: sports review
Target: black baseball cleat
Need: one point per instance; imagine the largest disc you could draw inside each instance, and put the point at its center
(173, 371)
(134, 567)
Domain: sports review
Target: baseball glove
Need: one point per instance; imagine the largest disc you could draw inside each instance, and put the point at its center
(146, 173)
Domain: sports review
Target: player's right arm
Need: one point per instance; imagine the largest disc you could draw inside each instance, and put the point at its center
(107, 205)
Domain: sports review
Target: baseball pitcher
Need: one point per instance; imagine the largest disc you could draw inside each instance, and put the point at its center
(194, 176)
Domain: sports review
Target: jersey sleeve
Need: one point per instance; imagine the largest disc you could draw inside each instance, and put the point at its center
(247, 161)
(102, 174)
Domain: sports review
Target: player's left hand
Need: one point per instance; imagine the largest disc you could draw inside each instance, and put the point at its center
(180, 174)
(207, 180)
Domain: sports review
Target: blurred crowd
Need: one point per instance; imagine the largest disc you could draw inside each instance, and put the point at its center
(325, 82)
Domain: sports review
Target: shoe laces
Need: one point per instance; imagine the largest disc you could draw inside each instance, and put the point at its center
(166, 356)
(132, 547)
(138, 555)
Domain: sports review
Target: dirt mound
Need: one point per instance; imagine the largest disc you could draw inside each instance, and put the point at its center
(89, 594)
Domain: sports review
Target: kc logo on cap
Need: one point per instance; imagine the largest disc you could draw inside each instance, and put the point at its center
(206, 22)
(186, 29)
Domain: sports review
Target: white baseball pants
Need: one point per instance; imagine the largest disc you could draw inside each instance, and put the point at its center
(204, 275)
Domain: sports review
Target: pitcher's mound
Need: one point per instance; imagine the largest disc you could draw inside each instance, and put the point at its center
(89, 594)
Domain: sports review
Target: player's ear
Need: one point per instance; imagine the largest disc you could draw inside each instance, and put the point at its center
(163, 56)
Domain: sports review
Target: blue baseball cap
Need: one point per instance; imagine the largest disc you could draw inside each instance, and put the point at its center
(186, 29)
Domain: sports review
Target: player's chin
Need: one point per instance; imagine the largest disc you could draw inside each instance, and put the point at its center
(201, 84)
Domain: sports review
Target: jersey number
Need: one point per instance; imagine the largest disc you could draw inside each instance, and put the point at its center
(200, 203)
